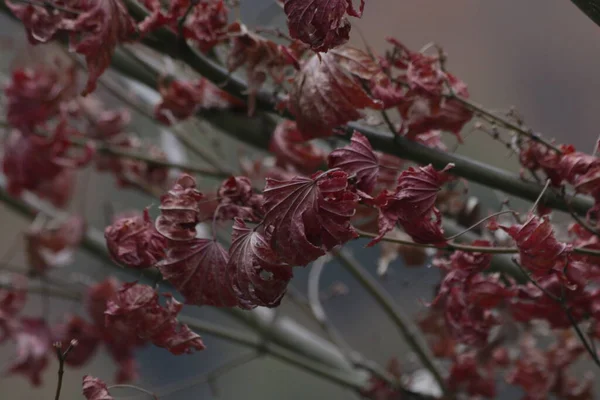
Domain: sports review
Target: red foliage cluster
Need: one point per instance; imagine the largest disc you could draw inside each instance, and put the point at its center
(182, 99)
(422, 91)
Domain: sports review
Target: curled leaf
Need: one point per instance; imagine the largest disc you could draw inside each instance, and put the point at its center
(321, 23)
(95, 389)
(327, 91)
(259, 278)
(137, 307)
(179, 210)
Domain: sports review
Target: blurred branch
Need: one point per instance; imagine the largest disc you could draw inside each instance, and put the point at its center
(591, 8)
(405, 325)
(383, 141)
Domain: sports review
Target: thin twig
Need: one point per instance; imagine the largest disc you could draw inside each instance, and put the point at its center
(134, 387)
(61, 364)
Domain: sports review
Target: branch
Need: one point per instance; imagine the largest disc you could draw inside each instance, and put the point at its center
(382, 141)
(407, 329)
(591, 8)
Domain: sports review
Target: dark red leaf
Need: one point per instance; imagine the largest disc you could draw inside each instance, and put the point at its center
(262, 58)
(34, 95)
(33, 345)
(413, 205)
(95, 389)
(321, 23)
(292, 150)
(182, 99)
(539, 250)
(95, 33)
(87, 336)
(472, 261)
(40, 22)
(135, 242)
(53, 244)
(137, 306)
(179, 210)
(238, 200)
(357, 159)
(12, 302)
(327, 91)
(259, 278)
(198, 269)
(309, 216)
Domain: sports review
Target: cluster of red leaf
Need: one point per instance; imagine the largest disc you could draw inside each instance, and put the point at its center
(580, 170)
(262, 58)
(422, 91)
(94, 29)
(52, 244)
(182, 99)
(203, 22)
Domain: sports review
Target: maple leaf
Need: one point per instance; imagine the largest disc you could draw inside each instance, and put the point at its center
(96, 32)
(292, 150)
(539, 251)
(32, 344)
(95, 389)
(198, 270)
(413, 205)
(135, 242)
(54, 243)
(472, 261)
(137, 306)
(309, 216)
(179, 210)
(321, 23)
(12, 302)
(263, 58)
(238, 200)
(357, 159)
(259, 278)
(34, 95)
(327, 91)
(41, 23)
(182, 99)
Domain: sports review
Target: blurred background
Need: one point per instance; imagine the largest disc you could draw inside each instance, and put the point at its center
(540, 56)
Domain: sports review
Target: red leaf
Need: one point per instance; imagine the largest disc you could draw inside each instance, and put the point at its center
(96, 32)
(204, 25)
(291, 149)
(135, 242)
(309, 216)
(95, 389)
(34, 95)
(259, 277)
(198, 269)
(327, 93)
(179, 210)
(238, 200)
(357, 159)
(472, 261)
(12, 302)
(263, 58)
(182, 99)
(87, 336)
(51, 246)
(321, 23)
(32, 343)
(137, 307)
(539, 250)
(413, 205)
(41, 23)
